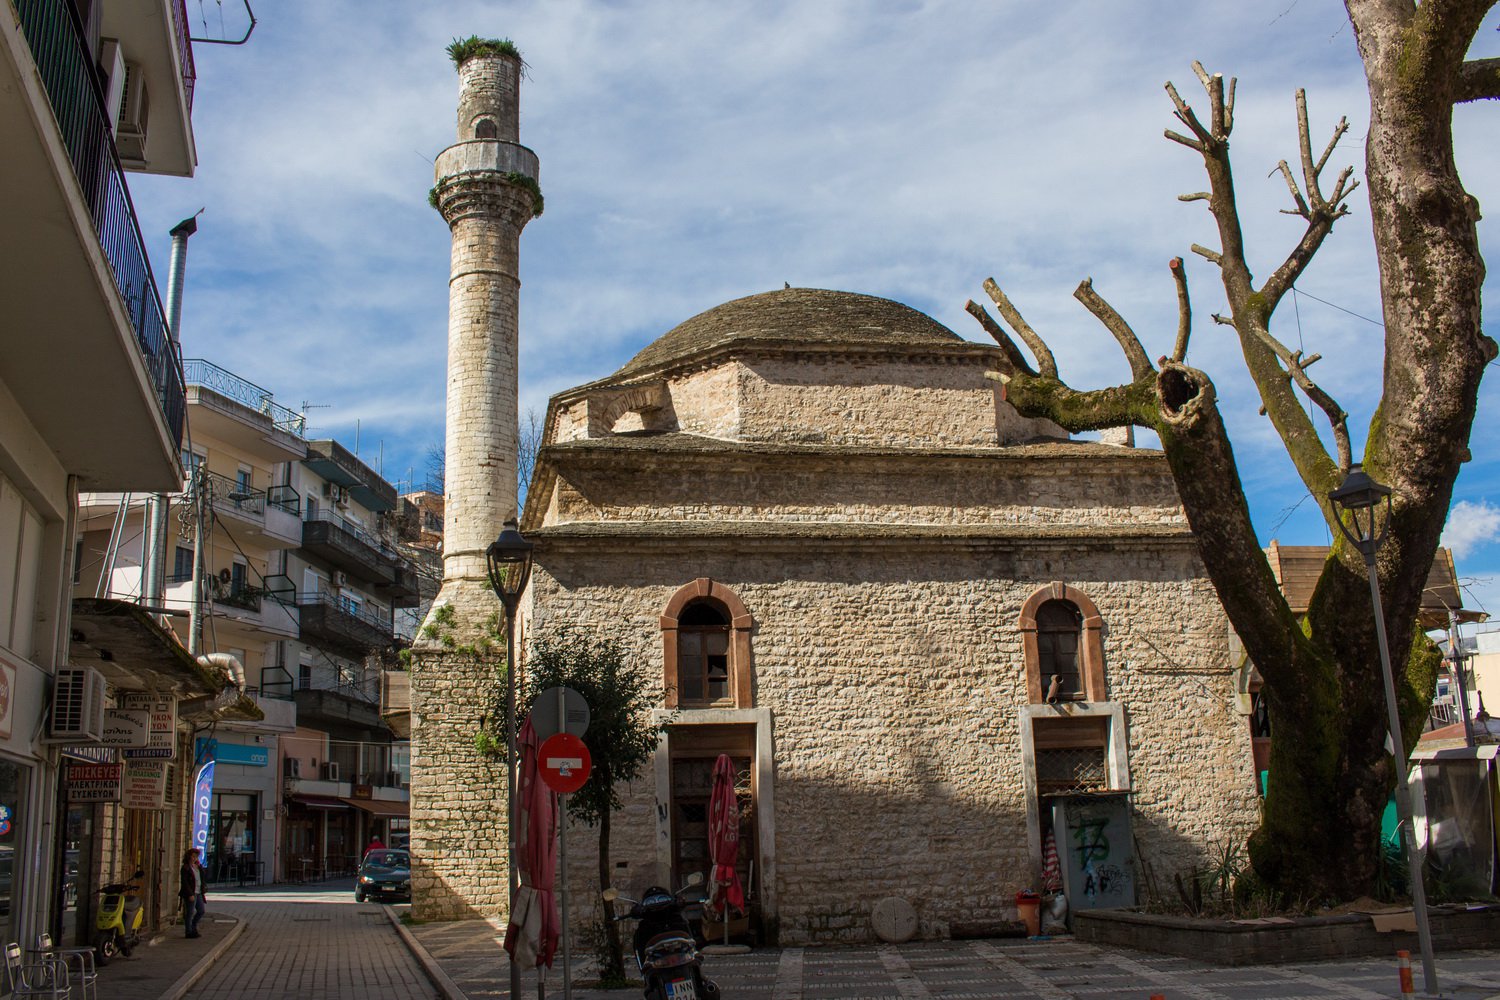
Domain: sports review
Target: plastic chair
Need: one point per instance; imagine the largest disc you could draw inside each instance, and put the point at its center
(86, 977)
(47, 978)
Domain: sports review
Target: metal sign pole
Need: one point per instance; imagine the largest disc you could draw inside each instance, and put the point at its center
(562, 834)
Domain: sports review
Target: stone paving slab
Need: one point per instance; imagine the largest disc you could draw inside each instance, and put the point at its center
(1006, 969)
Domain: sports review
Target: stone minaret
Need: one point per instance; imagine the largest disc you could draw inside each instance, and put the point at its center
(486, 191)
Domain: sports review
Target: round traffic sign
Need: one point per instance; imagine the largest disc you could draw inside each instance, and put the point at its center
(564, 763)
(559, 709)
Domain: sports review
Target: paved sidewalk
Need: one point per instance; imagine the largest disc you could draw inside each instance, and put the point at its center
(159, 970)
(1008, 969)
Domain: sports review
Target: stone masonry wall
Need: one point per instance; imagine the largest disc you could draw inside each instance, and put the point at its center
(894, 675)
(1074, 485)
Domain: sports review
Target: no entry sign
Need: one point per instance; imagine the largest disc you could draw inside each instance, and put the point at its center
(564, 763)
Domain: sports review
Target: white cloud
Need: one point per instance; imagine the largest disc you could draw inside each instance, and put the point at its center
(1471, 525)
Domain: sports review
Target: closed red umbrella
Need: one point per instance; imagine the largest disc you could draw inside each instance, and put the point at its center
(534, 930)
(724, 889)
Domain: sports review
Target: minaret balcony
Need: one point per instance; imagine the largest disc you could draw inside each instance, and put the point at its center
(486, 156)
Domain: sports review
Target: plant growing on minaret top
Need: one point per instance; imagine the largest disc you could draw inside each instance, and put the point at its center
(463, 49)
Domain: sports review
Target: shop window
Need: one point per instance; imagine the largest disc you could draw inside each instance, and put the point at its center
(1062, 637)
(706, 648)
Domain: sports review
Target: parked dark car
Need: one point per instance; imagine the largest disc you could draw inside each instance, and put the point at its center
(384, 875)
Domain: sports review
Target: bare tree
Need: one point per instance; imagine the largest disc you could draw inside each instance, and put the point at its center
(1330, 773)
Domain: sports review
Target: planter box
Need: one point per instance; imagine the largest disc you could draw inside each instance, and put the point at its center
(1224, 942)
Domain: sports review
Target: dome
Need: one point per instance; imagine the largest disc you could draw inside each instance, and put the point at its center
(796, 315)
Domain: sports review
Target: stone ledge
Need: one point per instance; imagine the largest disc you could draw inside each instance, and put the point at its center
(1224, 942)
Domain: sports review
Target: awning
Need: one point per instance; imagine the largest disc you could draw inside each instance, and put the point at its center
(379, 808)
(320, 802)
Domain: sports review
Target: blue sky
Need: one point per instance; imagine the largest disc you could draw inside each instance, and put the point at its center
(692, 153)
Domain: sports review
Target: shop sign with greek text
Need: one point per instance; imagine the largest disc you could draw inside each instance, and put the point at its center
(145, 784)
(163, 741)
(93, 782)
(126, 727)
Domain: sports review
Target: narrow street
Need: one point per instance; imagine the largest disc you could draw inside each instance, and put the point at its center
(314, 943)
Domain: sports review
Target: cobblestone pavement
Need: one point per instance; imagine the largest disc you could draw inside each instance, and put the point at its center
(1059, 969)
(311, 943)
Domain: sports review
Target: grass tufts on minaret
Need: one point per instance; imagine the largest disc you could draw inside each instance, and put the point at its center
(529, 183)
(474, 47)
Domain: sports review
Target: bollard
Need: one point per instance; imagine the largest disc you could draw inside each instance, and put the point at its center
(1403, 970)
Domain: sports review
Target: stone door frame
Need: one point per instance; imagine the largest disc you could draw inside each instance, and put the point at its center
(764, 790)
(1116, 759)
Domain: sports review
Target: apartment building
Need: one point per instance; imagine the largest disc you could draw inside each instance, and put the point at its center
(89, 89)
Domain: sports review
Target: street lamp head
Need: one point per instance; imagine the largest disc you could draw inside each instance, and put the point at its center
(1368, 504)
(509, 559)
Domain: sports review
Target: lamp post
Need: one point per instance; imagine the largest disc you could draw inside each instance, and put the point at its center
(1368, 506)
(509, 563)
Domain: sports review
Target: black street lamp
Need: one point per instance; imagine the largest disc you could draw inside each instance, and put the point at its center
(509, 562)
(1367, 505)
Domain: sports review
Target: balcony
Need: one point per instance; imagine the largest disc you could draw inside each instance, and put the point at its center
(405, 590)
(342, 467)
(78, 283)
(341, 626)
(242, 414)
(336, 709)
(152, 38)
(347, 546)
(269, 519)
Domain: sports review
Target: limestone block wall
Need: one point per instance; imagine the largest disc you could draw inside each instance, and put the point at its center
(458, 811)
(1071, 485)
(868, 400)
(894, 675)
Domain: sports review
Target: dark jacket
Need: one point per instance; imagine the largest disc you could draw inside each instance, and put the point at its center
(185, 884)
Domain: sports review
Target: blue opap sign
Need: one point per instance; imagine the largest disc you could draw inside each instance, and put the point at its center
(234, 753)
(203, 800)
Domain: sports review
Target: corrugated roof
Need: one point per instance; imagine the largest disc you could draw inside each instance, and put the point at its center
(814, 315)
(1297, 568)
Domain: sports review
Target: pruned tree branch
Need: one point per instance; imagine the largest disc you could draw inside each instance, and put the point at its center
(1184, 310)
(1140, 365)
(1046, 364)
(1013, 355)
(1279, 373)
(1478, 80)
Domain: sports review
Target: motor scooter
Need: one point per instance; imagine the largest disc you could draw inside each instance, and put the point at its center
(665, 949)
(117, 927)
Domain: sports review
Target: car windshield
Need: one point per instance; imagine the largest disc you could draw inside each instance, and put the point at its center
(387, 859)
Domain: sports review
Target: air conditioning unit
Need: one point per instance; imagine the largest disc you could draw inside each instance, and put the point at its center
(291, 767)
(112, 62)
(340, 578)
(338, 494)
(331, 770)
(135, 110)
(78, 705)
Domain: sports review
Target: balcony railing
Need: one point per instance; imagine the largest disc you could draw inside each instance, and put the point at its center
(227, 383)
(235, 497)
(56, 38)
(184, 51)
(343, 625)
(285, 498)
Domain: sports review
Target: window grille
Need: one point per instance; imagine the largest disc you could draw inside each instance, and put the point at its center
(1071, 770)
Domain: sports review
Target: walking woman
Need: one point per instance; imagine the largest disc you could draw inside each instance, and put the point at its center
(191, 891)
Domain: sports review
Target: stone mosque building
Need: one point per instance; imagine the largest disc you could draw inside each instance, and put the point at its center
(938, 638)
(845, 560)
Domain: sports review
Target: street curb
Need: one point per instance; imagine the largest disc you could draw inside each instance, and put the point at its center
(185, 982)
(446, 986)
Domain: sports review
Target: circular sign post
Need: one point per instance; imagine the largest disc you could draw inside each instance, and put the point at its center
(563, 762)
(559, 709)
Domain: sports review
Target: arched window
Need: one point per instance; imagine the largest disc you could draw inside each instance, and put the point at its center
(485, 129)
(1059, 629)
(706, 648)
(703, 655)
(1062, 635)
